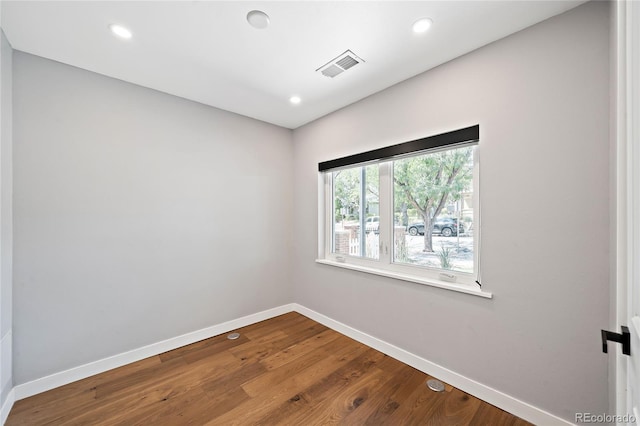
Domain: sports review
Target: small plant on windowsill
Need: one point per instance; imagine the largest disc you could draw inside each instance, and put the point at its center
(445, 258)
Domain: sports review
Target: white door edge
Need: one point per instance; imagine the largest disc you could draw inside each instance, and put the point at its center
(626, 107)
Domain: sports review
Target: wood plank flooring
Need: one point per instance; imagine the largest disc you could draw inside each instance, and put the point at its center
(288, 370)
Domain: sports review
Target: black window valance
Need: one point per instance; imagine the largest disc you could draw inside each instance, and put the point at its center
(456, 137)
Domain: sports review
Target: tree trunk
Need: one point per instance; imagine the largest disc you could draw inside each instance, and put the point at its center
(405, 215)
(428, 233)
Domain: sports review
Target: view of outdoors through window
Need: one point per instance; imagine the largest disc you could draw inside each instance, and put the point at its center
(356, 200)
(433, 203)
(433, 219)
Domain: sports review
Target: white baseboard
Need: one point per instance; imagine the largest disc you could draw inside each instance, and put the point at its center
(492, 396)
(483, 392)
(6, 407)
(55, 380)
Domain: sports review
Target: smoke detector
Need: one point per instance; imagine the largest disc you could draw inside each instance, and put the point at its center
(340, 64)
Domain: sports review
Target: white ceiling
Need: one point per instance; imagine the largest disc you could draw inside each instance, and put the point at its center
(207, 52)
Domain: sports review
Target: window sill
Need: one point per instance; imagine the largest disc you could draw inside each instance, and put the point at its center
(460, 288)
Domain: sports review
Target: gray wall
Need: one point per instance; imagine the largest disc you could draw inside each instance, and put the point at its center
(6, 226)
(138, 216)
(541, 99)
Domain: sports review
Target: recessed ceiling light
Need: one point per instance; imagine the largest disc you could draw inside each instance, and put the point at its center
(422, 25)
(258, 19)
(295, 100)
(120, 31)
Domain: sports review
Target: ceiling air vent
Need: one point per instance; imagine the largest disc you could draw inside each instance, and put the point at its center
(340, 64)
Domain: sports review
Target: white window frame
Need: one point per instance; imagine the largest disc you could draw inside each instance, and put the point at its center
(385, 266)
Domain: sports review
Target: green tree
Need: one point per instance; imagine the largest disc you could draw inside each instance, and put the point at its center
(429, 182)
(346, 192)
(346, 188)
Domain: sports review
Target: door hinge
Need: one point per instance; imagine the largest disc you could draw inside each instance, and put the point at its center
(624, 338)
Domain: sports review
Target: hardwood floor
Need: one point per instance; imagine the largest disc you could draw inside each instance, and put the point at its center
(287, 370)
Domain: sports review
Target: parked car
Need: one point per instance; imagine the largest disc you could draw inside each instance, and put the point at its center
(372, 224)
(445, 226)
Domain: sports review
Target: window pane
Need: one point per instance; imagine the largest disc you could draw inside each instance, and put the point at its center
(356, 208)
(433, 209)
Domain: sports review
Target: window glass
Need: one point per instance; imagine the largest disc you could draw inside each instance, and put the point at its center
(433, 210)
(356, 209)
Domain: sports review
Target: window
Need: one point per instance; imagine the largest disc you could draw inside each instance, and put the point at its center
(411, 214)
(433, 203)
(355, 207)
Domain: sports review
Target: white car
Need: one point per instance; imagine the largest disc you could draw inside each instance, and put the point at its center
(372, 224)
